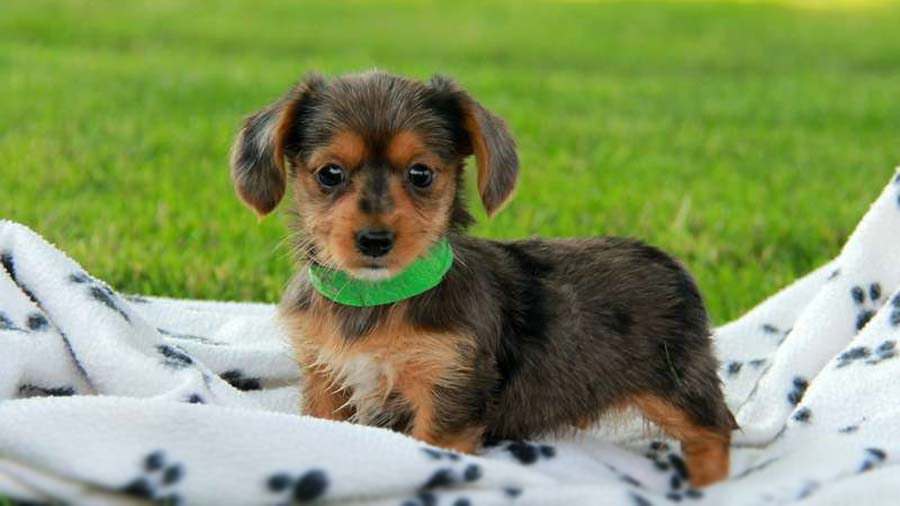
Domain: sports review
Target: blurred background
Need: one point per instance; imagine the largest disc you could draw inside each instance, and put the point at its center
(748, 138)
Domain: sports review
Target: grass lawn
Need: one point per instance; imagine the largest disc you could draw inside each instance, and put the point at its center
(746, 138)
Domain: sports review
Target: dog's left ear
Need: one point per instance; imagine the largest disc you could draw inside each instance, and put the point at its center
(487, 137)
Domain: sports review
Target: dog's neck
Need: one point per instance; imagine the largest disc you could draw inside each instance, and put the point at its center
(422, 275)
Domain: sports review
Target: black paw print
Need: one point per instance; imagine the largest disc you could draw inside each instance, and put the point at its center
(195, 399)
(173, 357)
(733, 368)
(658, 454)
(639, 500)
(37, 322)
(527, 453)
(895, 311)
(856, 353)
(809, 488)
(237, 379)
(799, 388)
(802, 415)
(444, 477)
(6, 323)
(666, 461)
(100, 292)
(874, 457)
(884, 351)
(768, 328)
(306, 487)
(157, 480)
(865, 308)
(756, 363)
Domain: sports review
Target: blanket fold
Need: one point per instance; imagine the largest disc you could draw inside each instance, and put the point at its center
(108, 399)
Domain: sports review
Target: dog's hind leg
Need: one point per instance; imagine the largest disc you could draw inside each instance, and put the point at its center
(705, 445)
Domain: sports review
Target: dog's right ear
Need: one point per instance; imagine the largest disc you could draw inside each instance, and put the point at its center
(257, 157)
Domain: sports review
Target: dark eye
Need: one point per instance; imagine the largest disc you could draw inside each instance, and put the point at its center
(330, 175)
(420, 176)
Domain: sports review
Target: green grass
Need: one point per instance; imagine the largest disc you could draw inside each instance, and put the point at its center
(746, 138)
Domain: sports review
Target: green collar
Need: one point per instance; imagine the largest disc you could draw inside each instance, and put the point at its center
(422, 275)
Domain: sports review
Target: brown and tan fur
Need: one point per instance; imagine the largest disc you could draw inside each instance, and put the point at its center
(519, 339)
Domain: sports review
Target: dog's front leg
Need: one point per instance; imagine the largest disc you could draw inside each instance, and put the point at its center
(452, 432)
(322, 397)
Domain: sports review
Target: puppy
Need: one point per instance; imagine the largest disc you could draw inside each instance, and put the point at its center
(401, 320)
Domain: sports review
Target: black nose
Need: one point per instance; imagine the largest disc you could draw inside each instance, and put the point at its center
(374, 243)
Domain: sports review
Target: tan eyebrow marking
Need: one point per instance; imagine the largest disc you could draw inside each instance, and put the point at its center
(346, 147)
(407, 146)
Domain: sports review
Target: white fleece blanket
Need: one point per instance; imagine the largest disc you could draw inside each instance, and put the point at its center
(110, 399)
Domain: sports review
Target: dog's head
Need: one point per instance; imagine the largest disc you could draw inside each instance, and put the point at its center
(375, 163)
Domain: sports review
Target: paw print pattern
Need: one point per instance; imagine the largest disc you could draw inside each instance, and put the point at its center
(298, 489)
(639, 500)
(756, 363)
(527, 453)
(734, 368)
(237, 379)
(37, 322)
(157, 480)
(444, 477)
(874, 457)
(656, 453)
(512, 492)
(802, 415)
(884, 351)
(809, 488)
(173, 357)
(195, 399)
(666, 461)
(780, 334)
(6, 323)
(99, 292)
(895, 311)
(799, 386)
(867, 302)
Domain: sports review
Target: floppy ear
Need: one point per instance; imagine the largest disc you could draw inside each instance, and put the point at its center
(257, 157)
(490, 141)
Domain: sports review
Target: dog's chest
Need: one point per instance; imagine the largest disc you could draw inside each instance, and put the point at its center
(366, 377)
(385, 373)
